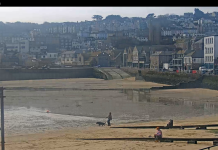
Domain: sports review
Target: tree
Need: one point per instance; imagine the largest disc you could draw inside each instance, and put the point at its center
(114, 17)
(150, 16)
(97, 17)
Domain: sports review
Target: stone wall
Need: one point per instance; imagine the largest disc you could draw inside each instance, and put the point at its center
(32, 74)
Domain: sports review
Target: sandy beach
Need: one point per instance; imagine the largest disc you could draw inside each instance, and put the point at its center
(67, 139)
(76, 104)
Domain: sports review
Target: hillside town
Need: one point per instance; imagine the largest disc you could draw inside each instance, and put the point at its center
(165, 42)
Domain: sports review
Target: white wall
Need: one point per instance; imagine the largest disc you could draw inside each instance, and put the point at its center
(24, 46)
(187, 60)
(12, 47)
(213, 49)
(135, 55)
(50, 55)
(198, 60)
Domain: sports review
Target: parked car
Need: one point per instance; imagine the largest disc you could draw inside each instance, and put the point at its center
(68, 66)
(203, 72)
(33, 67)
(172, 69)
(45, 67)
(17, 67)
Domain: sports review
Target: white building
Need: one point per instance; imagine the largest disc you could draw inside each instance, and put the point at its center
(166, 32)
(24, 46)
(142, 39)
(18, 46)
(12, 47)
(71, 58)
(76, 44)
(210, 51)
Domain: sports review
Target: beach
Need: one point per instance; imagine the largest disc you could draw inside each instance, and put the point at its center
(67, 139)
(75, 105)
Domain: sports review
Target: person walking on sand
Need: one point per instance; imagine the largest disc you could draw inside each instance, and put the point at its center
(109, 119)
(158, 135)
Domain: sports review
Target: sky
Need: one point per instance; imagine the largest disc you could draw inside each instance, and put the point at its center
(73, 14)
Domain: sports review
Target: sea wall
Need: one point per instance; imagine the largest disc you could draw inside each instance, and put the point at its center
(33, 74)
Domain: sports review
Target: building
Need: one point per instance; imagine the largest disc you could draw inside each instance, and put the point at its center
(124, 58)
(103, 59)
(188, 15)
(102, 35)
(154, 25)
(198, 45)
(210, 51)
(76, 45)
(24, 46)
(129, 56)
(178, 59)
(50, 55)
(159, 58)
(166, 32)
(66, 43)
(72, 58)
(12, 47)
(142, 39)
(139, 57)
(194, 60)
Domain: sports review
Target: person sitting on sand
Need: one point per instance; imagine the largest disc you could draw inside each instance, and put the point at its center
(170, 123)
(158, 135)
(109, 119)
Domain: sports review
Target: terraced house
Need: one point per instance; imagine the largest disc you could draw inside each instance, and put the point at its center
(158, 58)
(194, 60)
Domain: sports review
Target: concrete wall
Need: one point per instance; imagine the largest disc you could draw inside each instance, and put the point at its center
(33, 74)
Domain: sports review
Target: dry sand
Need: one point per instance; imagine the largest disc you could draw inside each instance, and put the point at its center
(67, 139)
(82, 83)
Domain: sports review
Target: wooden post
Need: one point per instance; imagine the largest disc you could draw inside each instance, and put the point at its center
(2, 119)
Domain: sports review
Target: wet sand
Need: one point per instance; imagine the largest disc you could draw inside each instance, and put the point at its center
(160, 103)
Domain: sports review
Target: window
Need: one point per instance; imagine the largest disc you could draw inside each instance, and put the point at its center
(212, 49)
(212, 58)
(212, 40)
(50, 55)
(67, 59)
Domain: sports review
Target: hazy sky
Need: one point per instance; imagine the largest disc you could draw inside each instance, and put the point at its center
(73, 14)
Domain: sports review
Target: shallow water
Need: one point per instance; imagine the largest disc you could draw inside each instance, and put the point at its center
(25, 110)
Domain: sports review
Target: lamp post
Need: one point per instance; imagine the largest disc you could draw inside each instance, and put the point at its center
(2, 119)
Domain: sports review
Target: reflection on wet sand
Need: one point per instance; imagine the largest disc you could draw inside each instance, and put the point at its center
(144, 95)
